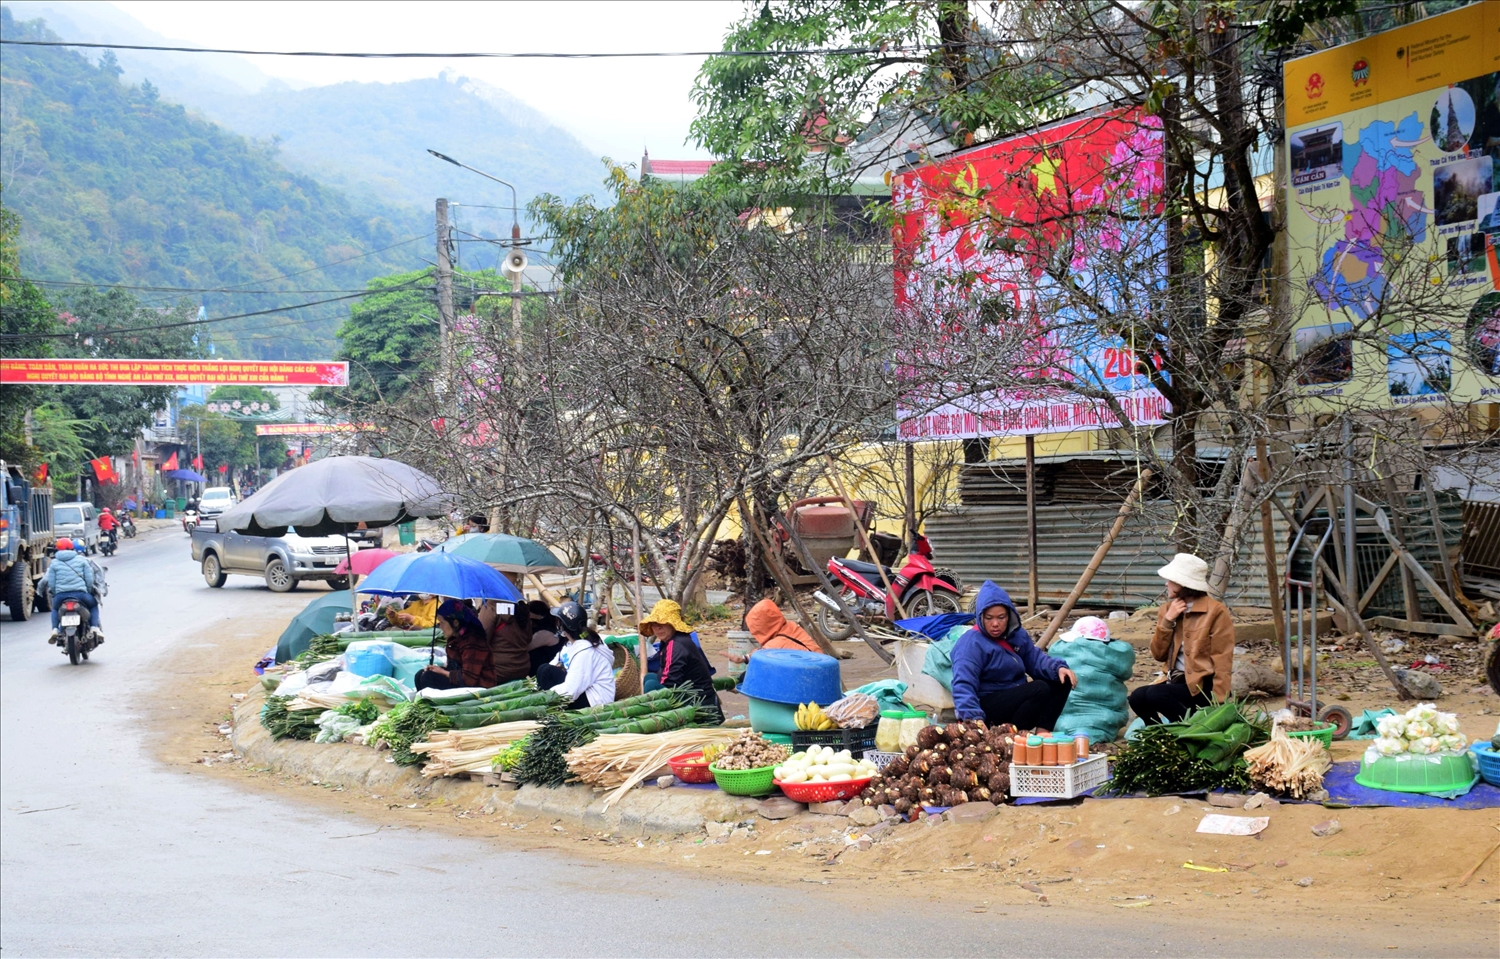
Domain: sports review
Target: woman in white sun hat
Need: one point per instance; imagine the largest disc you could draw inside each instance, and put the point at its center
(1194, 639)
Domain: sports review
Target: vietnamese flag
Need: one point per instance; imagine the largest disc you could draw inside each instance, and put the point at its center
(198, 463)
(104, 470)
(41, 474)
(171, 463)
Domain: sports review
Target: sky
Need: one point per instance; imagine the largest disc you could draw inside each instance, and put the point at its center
(616, 106)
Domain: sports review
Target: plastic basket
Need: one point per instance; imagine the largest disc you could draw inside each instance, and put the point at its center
(691, 768)
(880, 759)
(1059, 782)
(744, 782)
(1438, 774)
(1323, 734)
(1489, 762)
(857, 741)
(823, 792)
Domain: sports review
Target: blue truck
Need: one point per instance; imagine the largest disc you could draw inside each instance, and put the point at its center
(26, 542)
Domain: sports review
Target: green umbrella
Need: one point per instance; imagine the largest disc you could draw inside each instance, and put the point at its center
(315, 620)
(509, 554)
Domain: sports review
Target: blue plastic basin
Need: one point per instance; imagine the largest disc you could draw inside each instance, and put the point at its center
(792, 676)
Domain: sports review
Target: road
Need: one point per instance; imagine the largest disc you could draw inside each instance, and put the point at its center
(103, 850)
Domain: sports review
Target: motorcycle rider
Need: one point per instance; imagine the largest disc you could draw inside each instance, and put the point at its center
(110, 526)
(71, 576)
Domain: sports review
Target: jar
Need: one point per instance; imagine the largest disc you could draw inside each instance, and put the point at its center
(1049, 752)
(913, 722)
(1033, 750)
(888, 733)
(1081, 747)
(1065, 753)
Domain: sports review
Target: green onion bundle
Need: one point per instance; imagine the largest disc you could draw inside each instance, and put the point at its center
(408, 723)
(543, 761)
(283, 723)
(1203, 752)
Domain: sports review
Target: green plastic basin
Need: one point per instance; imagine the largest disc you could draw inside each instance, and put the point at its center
(1419, 774)
(769, 717)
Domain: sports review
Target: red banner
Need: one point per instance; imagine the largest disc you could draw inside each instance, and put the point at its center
(173, 372)
(198, 463)
(309, 429)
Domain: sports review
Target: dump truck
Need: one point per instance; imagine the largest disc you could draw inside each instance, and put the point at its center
(26, 542)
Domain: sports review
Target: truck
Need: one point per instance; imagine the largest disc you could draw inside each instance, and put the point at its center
(283, 561)
(26, 542)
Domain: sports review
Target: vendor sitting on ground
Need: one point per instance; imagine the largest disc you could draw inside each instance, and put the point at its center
(467, 651)
(772, 630)
(545, 643)
(510, 638)
(683, 661)
(992, 661)
(583, 673)
(1195, 639)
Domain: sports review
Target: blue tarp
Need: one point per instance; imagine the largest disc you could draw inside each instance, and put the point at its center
(936, 627)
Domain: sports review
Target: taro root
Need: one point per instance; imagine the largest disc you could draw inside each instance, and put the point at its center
(911, 751)
(986, 768)
(891, 794)
(979, 794)
(954, 732)
(1000, 782)
(929, 794)
(896, 768)
(911, 793)
(939, 750)
(903, 805)
(938, 776)
(942, 796)
(973, 737)
(958, 797)
(928, 737)
(964, 779)
(921, 767)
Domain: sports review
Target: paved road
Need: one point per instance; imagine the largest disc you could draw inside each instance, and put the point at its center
(103, 851)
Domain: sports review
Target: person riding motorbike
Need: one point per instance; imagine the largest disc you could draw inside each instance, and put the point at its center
(71, 576)
(110, 526)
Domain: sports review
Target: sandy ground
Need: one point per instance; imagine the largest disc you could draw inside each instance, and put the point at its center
(1400, 867)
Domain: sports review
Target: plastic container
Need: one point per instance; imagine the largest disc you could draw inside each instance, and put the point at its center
(744, 782)
(888, 731)
(793, 676)
(1489, 762)
(1323, 734)
(1049, 752)
(780, 739)
(741, 644)
(769, 717)
(1080, 748)
(912, 723)
(1438, 774)
(1033, 750)
(371, 658)
(691, 768)
(1066, 754)
(1059, 782)
(823, 792)
(854, 740)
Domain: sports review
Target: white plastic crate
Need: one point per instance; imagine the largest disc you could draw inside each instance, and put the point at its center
(880, 759)
(1059, 782)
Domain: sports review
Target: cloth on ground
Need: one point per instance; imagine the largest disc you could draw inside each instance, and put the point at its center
(1364, 723)
(1097, 705)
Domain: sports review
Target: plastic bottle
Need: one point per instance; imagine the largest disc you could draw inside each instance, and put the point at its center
(1080, 747)
(888, 733)
(1033, 750)
(912, 723)
(1049, 752)
(1065, 751)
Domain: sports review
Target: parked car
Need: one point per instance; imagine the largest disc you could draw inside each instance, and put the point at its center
(283, 561)
(215, 500)
(78, 522)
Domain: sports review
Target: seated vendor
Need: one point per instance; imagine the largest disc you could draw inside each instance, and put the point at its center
(992, 663)
(772, 630)
(419, 612)
(1194, 638)
(583, 673)
(545, 642)
(467, 651)
(683, 661)
(510, 637)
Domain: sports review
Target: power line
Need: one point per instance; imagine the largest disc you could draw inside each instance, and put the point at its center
(801, 52)
(158, 289)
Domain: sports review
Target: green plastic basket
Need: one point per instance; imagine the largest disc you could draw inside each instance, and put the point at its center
(1323, 734)
(744, 782)
(1419, 774)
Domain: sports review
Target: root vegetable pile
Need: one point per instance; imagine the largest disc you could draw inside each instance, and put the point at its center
(1287, 765)
(950, 765)
(750, 751)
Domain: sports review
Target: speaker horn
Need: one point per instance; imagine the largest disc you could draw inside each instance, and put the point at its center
(515, 261)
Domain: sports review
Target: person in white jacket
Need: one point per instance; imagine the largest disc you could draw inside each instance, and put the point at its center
(583, 673)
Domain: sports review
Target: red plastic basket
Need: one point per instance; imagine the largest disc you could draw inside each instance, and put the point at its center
(823, 792)
(691, 768)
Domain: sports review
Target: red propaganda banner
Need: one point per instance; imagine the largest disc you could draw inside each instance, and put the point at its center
(1000, 251)
(173, 372)
(309, 429)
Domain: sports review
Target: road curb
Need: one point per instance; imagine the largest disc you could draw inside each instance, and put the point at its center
(645, 811)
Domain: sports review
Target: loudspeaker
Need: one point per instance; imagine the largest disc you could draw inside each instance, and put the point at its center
(515, 261)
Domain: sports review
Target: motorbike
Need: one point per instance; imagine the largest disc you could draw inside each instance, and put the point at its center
(109, 542)
(73, 635)
(189, 520)
(923, 589)
(127, 525)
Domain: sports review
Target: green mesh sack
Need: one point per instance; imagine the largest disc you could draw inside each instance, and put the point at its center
(1096, 707)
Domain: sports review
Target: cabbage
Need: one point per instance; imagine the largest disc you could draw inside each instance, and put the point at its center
(1447, 724)
(1426, 712)
(1452, 743)
(1390, 746)
(1391, 727)
(1420, 729)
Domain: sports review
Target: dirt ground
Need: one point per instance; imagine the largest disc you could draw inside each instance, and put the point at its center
(1401, 866)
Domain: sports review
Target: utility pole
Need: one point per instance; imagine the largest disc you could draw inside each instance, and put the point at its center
(515, 290)
(444, 290)
(515, 262)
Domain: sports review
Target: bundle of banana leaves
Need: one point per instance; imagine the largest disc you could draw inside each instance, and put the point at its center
(283, 723)
(405, 724)
(510, 703)
(1203, 752)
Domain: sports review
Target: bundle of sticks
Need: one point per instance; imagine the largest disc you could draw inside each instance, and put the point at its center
(621, 761)
(455, 751)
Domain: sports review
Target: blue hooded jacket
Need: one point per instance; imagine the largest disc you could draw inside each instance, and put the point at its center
(981, 665)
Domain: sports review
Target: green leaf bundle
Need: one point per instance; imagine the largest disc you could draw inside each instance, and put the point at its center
(283, 723)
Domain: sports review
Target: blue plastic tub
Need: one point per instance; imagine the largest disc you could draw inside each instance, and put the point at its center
(1489, 762)
(372, 658)
(792, 676)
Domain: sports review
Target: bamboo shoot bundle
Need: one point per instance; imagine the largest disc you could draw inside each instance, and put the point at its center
(1287, 765)
(455, 751)
(621, 761)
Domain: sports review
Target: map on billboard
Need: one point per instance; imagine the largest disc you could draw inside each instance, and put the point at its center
(980, 237)
(1393, 149)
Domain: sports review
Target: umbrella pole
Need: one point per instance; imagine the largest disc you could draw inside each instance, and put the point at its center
(349, 561)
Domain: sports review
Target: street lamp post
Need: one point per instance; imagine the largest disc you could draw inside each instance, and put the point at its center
(515, 243)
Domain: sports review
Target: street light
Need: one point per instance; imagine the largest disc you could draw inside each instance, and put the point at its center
(515, 264)
(515, 220)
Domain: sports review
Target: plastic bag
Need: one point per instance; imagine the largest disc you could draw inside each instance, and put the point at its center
(333, 726)
(292, 685)
(1097, 706)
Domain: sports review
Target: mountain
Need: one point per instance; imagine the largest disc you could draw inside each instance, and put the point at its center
(115, 184)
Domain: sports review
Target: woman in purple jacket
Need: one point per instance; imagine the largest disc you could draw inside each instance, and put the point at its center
(992, 661)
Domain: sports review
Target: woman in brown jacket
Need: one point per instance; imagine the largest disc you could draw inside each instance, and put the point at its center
(1194, 639)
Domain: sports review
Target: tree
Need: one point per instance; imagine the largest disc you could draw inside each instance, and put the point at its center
(25, 319)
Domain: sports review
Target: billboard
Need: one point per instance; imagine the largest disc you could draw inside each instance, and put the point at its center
(1393, 153)
(81, 372)
(980, 237)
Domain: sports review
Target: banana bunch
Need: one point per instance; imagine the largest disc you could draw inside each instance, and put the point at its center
(810, 716)
(712, 752)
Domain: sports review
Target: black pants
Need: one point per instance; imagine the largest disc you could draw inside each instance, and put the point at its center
(543, 655)
(1169, 700)
(431, 679)
(1033, 705)
(549, 675)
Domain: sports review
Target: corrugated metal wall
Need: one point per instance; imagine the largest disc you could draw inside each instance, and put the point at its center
(989, 542)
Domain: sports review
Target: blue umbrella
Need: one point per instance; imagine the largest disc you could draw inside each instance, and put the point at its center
(440, 574)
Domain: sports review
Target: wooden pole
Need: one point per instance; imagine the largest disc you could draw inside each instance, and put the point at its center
(635, 551)
(1268, 541)
(1031, 574)
(1408, 584)
(909, 455)
(1099, 554)
(864, 538)
(783, 577)
(1437, 535)
(832, 592)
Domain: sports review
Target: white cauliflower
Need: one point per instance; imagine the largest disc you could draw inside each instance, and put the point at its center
(1425, 746)
(1426, 712)
(1391, 727)
(1452, 743)
(1447, 724)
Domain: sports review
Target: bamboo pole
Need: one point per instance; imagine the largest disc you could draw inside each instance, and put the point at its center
(864, 538)
(1031, 571)
(1099, 554)
(635, 542)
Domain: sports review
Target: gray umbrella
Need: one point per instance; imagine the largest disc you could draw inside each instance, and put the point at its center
(335, 495)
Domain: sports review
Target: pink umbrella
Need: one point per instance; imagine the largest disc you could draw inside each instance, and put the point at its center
(364, 561)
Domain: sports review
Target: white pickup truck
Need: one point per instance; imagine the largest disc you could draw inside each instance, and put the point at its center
(284, 561)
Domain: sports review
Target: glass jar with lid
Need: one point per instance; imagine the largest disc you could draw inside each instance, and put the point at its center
(912, 723)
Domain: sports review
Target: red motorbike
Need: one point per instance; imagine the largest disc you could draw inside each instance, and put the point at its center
(923, 589)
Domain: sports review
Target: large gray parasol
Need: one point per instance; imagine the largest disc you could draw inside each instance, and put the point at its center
(335, 495)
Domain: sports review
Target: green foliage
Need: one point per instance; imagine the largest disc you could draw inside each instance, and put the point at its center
(118, 186)
(57, 438)
(222, 439)
(23, 310)
(389, 340)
